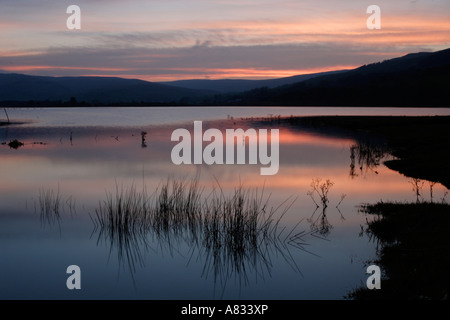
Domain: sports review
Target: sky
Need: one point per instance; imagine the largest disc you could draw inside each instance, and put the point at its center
(165, 40)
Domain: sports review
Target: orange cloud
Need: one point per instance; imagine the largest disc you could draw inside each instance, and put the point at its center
(337, 31)
(225, 73)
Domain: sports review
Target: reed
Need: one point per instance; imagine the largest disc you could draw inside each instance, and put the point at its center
(50, 205)
(179, 205)
(234, 231)
(7, 116)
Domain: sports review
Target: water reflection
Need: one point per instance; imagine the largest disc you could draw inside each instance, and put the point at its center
(234, 234)
(131, 246)
(320, 223)
(366, 156)
(220, 237)
(51, 205)
(143, 137)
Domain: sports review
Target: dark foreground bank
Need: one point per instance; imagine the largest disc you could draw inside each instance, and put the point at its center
(413, 251)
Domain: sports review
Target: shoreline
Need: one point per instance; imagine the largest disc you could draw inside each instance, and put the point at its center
(421, 144)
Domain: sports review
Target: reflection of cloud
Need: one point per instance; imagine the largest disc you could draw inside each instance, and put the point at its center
(303, 155)
(95, 153)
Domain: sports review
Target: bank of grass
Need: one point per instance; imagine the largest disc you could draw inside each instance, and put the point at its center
(413, 251)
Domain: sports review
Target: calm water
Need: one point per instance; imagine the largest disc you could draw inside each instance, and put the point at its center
(82, 156)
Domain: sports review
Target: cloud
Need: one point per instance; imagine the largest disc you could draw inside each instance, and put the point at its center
(173, 38)
(198, 61)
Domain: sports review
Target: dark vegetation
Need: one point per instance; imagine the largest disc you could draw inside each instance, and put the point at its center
(413, 251)
(222, 86)
(414, 80)
(15, 144)
(412, 238)
(24, 90)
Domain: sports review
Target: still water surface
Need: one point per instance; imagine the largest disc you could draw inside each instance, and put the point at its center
(82, 156)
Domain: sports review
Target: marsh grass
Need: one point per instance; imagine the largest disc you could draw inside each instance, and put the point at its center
(178, 206)
(122, 221)
(240, 233)
(234, 232)
(50, 205)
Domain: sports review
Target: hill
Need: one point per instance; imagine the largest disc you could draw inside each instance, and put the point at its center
(241, 85)
(414, 80)
(92, 90)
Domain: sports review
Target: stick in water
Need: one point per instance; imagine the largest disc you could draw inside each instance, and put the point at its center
(6, 114)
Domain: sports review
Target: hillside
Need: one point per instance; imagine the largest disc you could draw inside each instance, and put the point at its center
(105, 90)
(415, 80)
(241, 85)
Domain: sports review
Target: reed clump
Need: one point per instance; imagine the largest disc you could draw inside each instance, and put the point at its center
(50, 204)
(233, 230)
(179, 206)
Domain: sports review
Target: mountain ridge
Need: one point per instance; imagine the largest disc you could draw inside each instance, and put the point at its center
(414, 80)
(20, 87)
(240, 85)
(417, 79)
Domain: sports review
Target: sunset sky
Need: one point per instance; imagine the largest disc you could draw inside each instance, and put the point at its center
(163, 40)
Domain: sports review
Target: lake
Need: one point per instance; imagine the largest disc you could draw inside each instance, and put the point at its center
(64, 195)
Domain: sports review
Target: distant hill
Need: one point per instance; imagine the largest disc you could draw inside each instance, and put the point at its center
(105, 90)
(241, 85)
(414, 80)
(113, 90)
